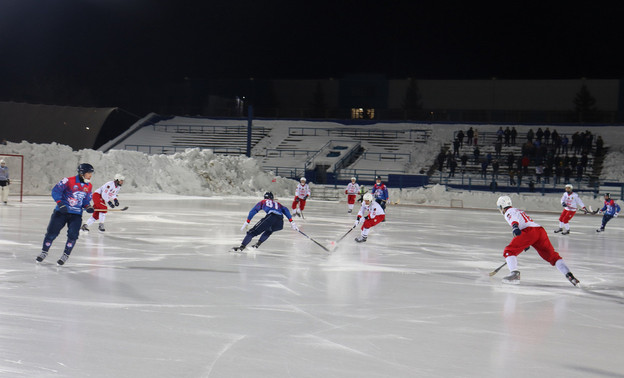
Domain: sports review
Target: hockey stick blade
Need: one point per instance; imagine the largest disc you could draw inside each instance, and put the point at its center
(123, 209)
(317, 243)
(497, 269)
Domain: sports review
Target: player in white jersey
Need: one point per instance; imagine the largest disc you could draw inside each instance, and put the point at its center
(570, 202)
(106, 194)
(373, 214)
(301, 195)
(527, 233)
(352, 190)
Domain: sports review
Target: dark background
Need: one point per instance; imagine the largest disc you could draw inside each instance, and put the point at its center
(131, 53)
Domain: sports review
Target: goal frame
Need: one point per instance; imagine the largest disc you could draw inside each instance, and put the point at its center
(21, 174)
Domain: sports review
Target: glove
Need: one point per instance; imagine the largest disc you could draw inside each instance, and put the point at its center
(8, 182)
(585, 210)
(305, 198)
(293, 225)
(297, 199)
(563, 204)
(62, 208)
(116, 202)
(111, 205)
(357, 222)
(516, 231)
(345, 192)
(89, 209)
(245, 226)
(615, 215)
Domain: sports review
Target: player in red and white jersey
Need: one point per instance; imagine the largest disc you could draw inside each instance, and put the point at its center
(373, 214)
(301, 195)
(528, 233)
(571, 202)
(352, 190)
(106, 194)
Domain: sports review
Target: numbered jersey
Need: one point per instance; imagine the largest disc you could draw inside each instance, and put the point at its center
(270, 207)
(519, 217)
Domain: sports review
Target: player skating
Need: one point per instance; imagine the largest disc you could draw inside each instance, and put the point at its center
(380, 192)
(272, 222)
(106, 194)
(527, 233)
(610, 209)
(571, 202)
(72, 195)
(301, 195)
(352, 190)
(373, 214)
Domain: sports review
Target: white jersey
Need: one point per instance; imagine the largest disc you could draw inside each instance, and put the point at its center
(108, 191)
(519, 217)
(572, 201)
(302, 191)
(353, 188)
(371, 210)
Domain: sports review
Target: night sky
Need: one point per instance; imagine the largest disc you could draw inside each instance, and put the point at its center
(99, 47)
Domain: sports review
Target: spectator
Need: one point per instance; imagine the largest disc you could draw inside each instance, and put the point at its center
(530, 135)
(464, 161)
(539, 171)
(513, 134)
(507, 135)
(456, 146)
(546, 136)
(470, 135)
(495, 168)
(460, 137)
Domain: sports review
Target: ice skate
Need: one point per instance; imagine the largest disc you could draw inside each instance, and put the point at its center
(601, 229)
(63, 259)
(559, 230)
(360, 239)
(84, 228)
(239, 249)
(566, 232)
(349, 211)
(101, 227)
(572, 279)
(513, 278)
(42, 256)
(257, 245)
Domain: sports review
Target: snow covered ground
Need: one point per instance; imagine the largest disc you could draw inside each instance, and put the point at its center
(159, 295)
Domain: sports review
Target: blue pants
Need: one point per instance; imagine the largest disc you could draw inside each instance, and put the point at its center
(58, 220)
(266, 226)
(606, 218)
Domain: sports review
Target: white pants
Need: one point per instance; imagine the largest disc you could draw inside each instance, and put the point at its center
(4, 193)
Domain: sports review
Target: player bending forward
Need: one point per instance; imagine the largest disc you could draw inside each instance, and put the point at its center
(570, 202)
(272, 222)
(610, 210)
(372, 213)
(107, 193)
(527, 233)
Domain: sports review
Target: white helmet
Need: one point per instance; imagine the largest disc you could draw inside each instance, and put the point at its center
(368, 197)
(303, 179)
(120, 177)
(503, 203)
(353, 178)
(569, 186)
(2, 161)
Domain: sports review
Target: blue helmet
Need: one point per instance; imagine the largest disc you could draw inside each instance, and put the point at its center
(85, 168)
(268, 195)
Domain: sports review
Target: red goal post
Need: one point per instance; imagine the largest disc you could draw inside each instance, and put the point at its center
(15, 163)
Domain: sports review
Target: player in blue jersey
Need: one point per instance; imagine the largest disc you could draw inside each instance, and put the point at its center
(72, 195)
(272, 222)
(610, 209)
(380, 192)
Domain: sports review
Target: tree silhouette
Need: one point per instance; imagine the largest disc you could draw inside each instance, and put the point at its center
(585, 105)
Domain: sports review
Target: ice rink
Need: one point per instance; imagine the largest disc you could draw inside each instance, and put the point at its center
(159, 294)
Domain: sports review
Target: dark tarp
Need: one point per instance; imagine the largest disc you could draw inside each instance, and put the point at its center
(72, 126)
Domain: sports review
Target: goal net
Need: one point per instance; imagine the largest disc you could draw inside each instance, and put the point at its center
(15, 163)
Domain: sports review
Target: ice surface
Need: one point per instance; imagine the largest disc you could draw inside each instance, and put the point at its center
(159, 295)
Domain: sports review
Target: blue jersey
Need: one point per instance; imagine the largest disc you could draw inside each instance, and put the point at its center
(74, 194)
(380, 192)
(270, 207)
(610, 207)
